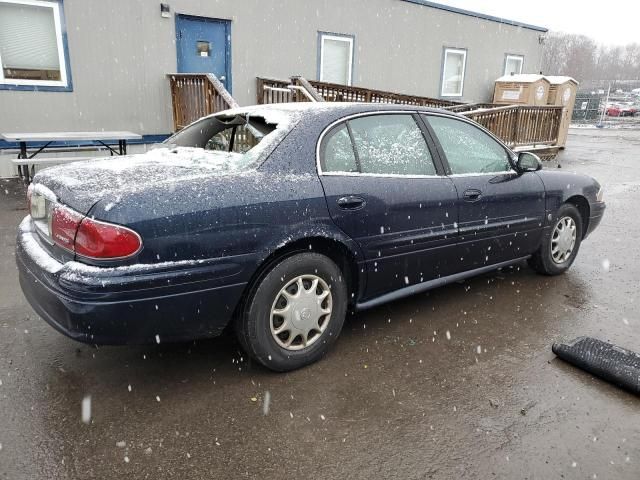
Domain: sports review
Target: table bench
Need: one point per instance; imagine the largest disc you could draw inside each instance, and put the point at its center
(98, 139)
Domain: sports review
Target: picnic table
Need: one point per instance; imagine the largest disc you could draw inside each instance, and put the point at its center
(27, 159)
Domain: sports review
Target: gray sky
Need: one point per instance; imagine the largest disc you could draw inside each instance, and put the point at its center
(619, 24)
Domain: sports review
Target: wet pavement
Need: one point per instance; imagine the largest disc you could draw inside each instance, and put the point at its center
(398, 396)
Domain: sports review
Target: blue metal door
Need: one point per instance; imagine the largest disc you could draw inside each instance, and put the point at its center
(203, 45)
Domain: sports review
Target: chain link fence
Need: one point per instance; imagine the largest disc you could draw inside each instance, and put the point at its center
(607, 104)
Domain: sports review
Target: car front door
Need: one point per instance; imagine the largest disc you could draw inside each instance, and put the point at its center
(501, 211)
(386, 190)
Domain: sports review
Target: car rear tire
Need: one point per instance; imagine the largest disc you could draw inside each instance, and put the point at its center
(294, 313)
(560, 246)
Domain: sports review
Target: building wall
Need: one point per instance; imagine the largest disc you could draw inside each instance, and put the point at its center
(121, 50)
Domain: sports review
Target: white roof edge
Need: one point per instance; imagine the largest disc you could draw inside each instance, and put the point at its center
(559, 79)
(522, 77)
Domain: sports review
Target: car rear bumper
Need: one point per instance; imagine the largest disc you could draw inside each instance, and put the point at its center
(162, 303)
(597, 212)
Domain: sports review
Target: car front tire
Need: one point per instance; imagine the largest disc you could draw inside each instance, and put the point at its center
(560, 247)
(294, 313)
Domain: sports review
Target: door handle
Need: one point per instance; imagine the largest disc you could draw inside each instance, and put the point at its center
(471, 195)
(351, 202)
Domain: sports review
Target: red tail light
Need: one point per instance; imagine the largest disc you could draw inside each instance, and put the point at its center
(64, 225)
(104, 240)
(92, 238)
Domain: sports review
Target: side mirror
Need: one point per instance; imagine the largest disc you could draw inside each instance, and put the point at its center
(528, 162)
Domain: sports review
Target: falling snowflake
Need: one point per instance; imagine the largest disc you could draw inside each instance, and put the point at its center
(86, 409)
(266, 404)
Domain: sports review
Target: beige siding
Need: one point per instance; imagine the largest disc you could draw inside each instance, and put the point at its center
(121, 51)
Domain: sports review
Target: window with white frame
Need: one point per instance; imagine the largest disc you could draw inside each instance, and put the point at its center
(336, 58)
(31, 44)
(453, 66)
(513, 64)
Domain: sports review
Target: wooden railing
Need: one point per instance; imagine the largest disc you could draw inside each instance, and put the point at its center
(467, 107)
(279, 91)
(270, 90)
(520, 125)
(298, 89)
(194, 95)
(332, 92)
(516, 125)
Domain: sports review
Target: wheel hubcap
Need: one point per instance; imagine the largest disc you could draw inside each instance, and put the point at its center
(563, 240)
(301, 312)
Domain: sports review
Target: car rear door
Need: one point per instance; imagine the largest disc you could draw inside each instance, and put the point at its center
(386, 190)
(500, 211)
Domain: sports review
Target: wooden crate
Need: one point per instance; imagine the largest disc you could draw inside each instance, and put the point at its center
(562, 92)
(523, 89)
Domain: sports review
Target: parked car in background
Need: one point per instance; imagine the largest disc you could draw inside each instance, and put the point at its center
(279, 219)
(621, 109)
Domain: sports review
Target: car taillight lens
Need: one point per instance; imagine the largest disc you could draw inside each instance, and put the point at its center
(29, 193)
(64, 225)
(106, 241)
(92, 238)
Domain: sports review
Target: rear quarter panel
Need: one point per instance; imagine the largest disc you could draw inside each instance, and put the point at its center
(244, 217)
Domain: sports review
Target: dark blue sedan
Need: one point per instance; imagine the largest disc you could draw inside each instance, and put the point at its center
(279, 219)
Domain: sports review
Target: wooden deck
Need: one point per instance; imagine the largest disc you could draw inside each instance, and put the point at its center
(195, 95)
(519, 125)
(534, 127)
(270, 90)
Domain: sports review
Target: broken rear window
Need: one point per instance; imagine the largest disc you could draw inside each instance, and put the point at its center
(233, 135)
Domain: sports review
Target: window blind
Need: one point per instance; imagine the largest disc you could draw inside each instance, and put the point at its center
(335, 61)
(28, 37)
(453, 69)
(514, 66)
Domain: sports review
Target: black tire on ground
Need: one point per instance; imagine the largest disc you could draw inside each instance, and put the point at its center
(253, 325)
(542, 261)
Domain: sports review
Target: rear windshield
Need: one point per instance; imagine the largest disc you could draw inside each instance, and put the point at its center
(235, 136)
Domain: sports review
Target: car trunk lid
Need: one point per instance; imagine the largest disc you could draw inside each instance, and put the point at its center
(80, 185)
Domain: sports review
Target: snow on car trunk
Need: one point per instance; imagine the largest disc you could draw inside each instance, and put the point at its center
(222, 144)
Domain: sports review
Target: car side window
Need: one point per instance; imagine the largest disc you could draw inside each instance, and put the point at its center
(391, 144)
(337, 153)
(467, 148)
